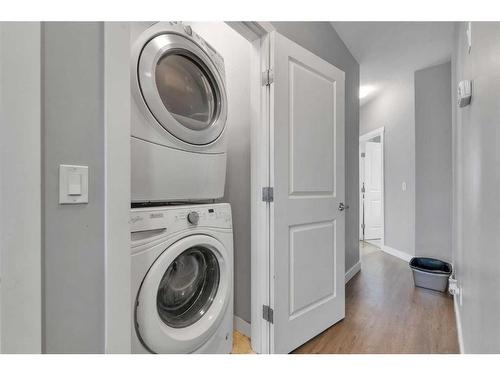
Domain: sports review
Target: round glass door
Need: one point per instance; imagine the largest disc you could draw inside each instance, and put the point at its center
(183, 88)
(186, 90)
(184, 295)
(188, 287)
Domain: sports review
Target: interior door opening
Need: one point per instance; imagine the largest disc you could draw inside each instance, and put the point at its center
(371, 185)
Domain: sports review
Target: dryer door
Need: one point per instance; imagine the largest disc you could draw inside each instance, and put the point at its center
(183, 88)
(184, 296)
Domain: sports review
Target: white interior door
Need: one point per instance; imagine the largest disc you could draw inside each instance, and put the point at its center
(373, 190)
(307, 172)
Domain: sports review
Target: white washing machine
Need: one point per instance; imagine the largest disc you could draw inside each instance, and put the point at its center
(178, 113)
(182, 279)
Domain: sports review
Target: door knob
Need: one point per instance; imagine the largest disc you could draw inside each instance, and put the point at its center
(342, 206)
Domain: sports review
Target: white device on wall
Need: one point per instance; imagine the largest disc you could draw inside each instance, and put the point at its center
(464, 93)
(179, 110)
(73, 184)
(468, 33)
(182, 279)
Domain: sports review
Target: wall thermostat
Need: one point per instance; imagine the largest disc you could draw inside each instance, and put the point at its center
(464, 93)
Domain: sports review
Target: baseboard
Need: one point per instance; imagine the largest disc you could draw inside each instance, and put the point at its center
(242, 326)
(459, 324)
(352, 271)
(397, 253)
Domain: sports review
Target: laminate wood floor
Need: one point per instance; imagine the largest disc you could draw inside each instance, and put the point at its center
(241, 344)
(385, 313)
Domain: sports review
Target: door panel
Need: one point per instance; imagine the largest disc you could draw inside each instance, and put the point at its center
(312, 136)
(309, 244)
(307, 172)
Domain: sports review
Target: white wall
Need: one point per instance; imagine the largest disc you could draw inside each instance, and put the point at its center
(476, 254)
(393, 108)
(236, 53)
(20, 181)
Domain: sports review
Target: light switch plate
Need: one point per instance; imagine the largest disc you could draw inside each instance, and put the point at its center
(73, 184)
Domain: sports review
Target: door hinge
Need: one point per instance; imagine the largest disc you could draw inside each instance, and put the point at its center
(362, 226)
(267, 77)
(267, 313)
(267, 194)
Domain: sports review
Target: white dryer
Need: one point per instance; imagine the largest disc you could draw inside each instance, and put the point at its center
(178, 113)
(182, 279)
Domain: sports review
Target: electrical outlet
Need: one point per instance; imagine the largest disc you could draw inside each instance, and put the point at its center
(453, 287)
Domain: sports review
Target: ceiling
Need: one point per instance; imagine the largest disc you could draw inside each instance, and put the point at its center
(392, 51)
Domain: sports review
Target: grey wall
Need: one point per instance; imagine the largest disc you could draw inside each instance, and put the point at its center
(477, 177)
(20, 208)
(236, 53)
(433, 162)
(321, 39)
(393, 108)
(72, 98)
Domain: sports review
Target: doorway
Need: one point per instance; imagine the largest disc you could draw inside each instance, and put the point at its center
(371, 195)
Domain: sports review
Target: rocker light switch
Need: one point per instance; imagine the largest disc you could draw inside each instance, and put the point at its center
(73, 184)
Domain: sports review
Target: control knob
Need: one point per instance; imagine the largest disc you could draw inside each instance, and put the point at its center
(193, 217)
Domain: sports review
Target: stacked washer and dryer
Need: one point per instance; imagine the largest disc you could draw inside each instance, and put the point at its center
(181, 243)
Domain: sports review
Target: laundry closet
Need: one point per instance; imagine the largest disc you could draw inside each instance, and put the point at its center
(190, 186)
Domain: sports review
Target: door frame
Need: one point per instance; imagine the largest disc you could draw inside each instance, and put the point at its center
(259, 34)
(362, 139)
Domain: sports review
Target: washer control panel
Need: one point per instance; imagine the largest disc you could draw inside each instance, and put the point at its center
(176, 218)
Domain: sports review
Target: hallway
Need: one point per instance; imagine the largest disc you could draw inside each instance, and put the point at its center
(385, 313)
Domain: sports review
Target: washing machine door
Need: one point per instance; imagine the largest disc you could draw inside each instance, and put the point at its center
(184, 295)
(183, 88)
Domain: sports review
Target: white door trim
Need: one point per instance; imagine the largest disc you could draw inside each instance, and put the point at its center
(117, 320)
(363, 138)
(372, 134)
(458, 321)
(258, 34)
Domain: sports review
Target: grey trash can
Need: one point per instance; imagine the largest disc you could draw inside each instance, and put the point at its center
(430, 273)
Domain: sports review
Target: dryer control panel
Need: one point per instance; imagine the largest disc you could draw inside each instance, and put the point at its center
(177, 218)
